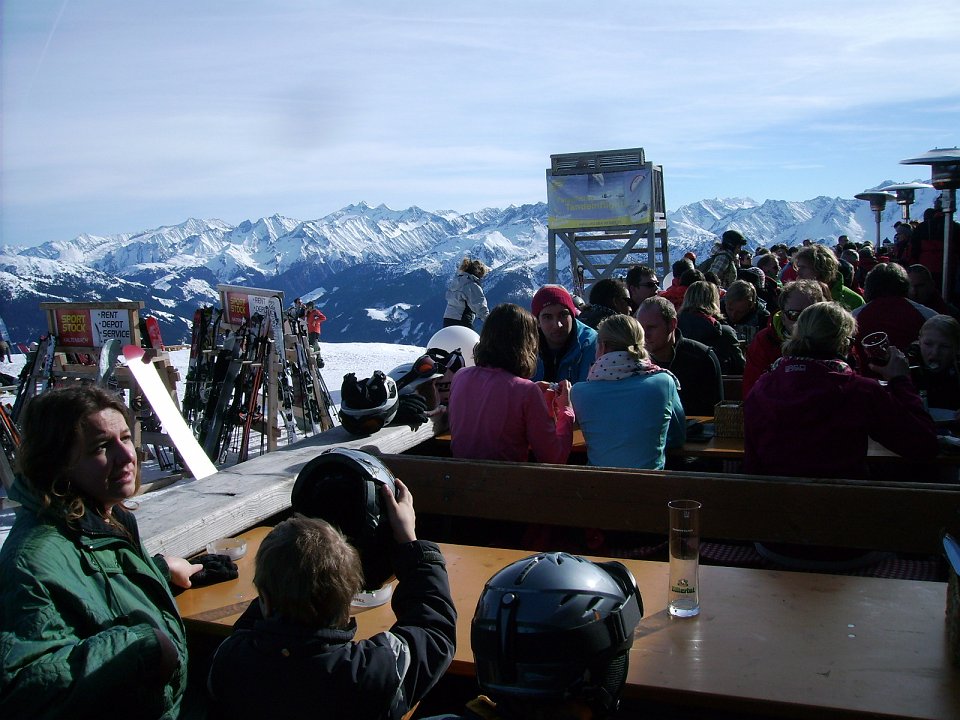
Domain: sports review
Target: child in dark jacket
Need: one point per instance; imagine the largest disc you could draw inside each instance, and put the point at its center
(293, 653)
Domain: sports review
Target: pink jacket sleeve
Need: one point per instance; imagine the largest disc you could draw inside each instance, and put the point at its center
(550, 440)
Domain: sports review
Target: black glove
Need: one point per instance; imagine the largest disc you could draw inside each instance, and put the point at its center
(216, 568)
(412, 411)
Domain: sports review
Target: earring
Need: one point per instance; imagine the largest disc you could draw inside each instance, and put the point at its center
(63, 483)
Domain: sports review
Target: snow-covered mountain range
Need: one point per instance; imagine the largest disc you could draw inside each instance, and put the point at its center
(378, 274)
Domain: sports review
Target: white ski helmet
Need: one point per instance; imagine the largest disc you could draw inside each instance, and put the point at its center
(456, 337)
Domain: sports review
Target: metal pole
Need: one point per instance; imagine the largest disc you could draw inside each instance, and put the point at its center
(877, 215)
(948, 201)
(552, 256)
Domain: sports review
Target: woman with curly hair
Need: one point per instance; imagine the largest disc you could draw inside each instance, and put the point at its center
(86, 615)
(496, 412)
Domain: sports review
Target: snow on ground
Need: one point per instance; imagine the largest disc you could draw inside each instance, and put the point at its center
(339, 358)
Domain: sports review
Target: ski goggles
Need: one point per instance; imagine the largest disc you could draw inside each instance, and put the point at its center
(423, 368)
(452, 360)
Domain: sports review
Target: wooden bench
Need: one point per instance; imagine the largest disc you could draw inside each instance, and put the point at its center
(902, 517)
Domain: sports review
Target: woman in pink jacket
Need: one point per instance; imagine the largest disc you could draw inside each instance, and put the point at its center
(495, 411)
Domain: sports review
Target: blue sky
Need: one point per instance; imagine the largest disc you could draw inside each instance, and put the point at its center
(123, 116)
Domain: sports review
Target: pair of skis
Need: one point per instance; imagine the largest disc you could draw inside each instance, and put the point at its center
(36, 376)
(284, 372)
(206, 329)
(238, 391)
(317, 404)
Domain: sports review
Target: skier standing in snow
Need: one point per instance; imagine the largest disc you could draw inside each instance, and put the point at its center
(4, 342)
(314, 320)
(465, 298)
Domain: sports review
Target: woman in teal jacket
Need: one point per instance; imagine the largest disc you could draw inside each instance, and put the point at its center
(629, 409)
(87, 621)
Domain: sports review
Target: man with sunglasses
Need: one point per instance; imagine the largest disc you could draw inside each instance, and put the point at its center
(641, 283)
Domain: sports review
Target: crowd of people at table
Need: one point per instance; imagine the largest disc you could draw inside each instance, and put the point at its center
(631, 364)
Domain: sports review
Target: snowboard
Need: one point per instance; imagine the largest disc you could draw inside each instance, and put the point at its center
(157, 394)
(108, 362)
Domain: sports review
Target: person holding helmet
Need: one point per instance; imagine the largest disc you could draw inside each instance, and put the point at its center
(293, 654)
(551, 639)
(724, 261)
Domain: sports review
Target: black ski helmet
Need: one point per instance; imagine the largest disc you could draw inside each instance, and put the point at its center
(342, 486)
(368, 405)
(732, 240)
(556, 627)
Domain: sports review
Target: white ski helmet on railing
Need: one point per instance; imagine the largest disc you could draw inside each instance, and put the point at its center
(456, 337)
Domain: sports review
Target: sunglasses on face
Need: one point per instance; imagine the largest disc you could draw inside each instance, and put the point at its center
(792, 315)
(650, 284)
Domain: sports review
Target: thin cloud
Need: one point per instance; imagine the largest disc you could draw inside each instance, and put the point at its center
(294, 108)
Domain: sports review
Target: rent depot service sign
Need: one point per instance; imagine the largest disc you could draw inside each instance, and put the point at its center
(92, 328)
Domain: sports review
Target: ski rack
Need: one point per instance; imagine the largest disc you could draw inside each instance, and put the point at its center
(279, 377)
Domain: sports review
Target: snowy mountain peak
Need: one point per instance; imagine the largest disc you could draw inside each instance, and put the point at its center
(380, 273)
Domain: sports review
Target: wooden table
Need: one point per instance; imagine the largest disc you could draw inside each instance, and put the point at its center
(778, 643)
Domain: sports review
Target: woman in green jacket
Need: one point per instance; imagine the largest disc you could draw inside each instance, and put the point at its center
(87, 621)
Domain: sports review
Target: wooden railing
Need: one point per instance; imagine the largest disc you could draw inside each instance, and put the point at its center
(903, 517)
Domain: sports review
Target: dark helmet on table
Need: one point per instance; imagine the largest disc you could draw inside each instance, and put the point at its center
(368, 405)
(555, 627)
(342, 486)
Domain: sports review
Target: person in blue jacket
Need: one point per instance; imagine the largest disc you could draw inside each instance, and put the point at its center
(568, 347)
(629, 409)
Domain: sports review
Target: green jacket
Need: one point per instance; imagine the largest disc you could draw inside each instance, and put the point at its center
(78, 608)
(850, 299)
